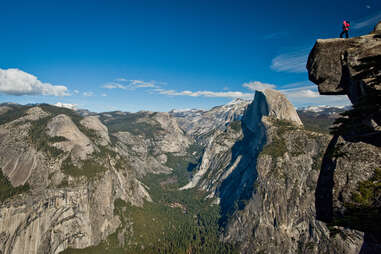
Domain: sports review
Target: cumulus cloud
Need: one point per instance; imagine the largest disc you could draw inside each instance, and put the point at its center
(257, 85)
(103, 95)
(290, 62)
(76, 91)
(18, 82)
(227, 94)
(369, 21)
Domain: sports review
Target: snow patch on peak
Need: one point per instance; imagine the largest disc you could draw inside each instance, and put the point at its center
(321, 108)
(66, 105)
(185, 110)
(237, 101)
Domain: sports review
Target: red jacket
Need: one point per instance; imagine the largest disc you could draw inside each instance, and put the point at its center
(345, 26)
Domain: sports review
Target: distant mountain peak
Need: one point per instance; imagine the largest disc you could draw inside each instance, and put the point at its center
(237, 101)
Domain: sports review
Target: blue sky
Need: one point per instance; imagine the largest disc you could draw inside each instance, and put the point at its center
(159, 55)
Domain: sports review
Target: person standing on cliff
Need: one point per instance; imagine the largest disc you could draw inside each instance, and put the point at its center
(346, 26)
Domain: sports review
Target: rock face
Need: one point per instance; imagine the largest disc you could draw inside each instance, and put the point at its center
(351, 67)
(93, 123)
(172, 138)
(263, 174)
(220, 143)
(53, 220)
(146, 138)
(279, 216)
(273, 104)
(72, 179)
(269, 103)
(18, 160)
(76, 141)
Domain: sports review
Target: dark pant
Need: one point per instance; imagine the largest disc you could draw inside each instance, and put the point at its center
(344, 32)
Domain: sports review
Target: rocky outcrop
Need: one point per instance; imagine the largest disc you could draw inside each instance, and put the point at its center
(352, 158)
(347, 66)
(352, 67)
(93, 123)
(76, 141)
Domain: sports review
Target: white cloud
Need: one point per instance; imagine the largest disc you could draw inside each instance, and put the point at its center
(18, 82)
(290, 62)
(329, 100)
(257, 85)
(66, 105)
(76, 91)
(114, 85)
(308, 95)
(134, 81)
(298, 85)
(130, 84)
(103, 95)
(88, 94)
(141, 84)
(159, 83)
(121, 80)
(369, 21)
(228, 94)
(304, 91)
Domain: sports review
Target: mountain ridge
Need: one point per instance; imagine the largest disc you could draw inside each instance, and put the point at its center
(135, 165)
